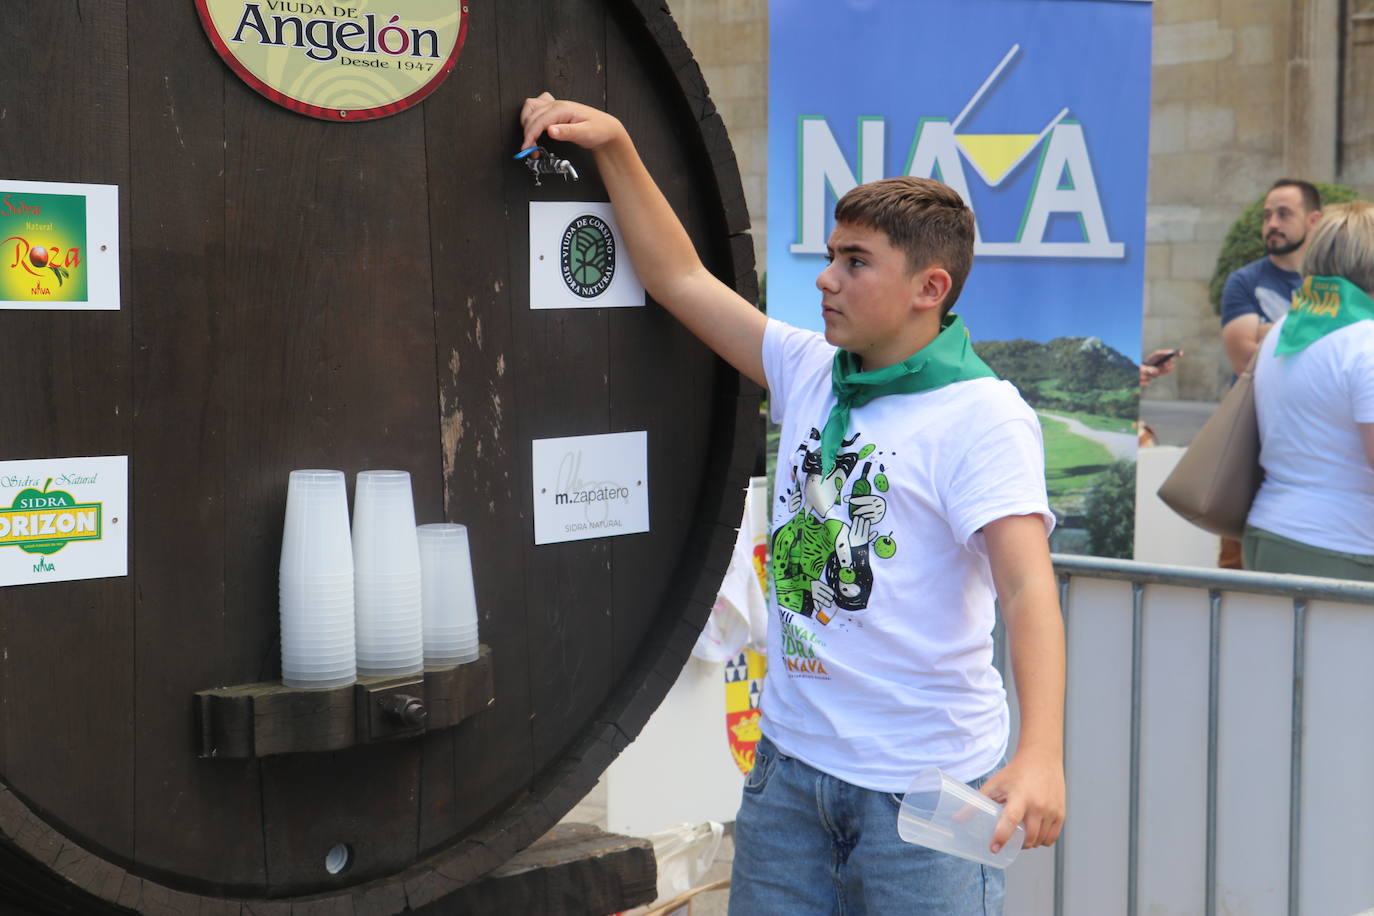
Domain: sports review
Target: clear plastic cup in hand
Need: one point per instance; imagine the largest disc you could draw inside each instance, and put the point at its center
(944, 814)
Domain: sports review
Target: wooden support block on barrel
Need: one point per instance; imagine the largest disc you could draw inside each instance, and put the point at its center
(259, 720)
(574, 869)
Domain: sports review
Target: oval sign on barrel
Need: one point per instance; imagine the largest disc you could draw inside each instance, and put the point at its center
(342, 60)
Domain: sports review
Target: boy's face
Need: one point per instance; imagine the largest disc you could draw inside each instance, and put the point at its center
(869, 297)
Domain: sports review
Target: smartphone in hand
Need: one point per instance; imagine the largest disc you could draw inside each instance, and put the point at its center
(1162, 358)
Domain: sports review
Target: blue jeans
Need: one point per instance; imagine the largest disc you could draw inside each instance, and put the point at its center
(806, 842)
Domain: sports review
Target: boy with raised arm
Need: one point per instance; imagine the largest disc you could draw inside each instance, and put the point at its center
(910, 495)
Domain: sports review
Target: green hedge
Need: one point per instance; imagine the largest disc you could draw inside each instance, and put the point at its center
(1243, 243)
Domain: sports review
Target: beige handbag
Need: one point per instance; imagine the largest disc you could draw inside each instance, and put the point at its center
(1215, 481)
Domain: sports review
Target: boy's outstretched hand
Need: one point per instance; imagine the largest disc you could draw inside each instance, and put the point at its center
(662, 253)
(571, 122)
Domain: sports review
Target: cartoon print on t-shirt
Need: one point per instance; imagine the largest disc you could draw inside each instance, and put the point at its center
(822, 563)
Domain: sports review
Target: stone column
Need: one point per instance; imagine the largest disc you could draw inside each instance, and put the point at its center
(1312, 92)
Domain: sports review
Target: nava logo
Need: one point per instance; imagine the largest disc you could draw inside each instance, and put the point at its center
(1063, 184)
(43, 522)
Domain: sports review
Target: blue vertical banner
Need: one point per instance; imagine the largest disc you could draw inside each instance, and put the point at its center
(1037, 113)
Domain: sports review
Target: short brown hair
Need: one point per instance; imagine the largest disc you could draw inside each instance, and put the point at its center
(1311, 197)
(925, 218)
(1342, 245)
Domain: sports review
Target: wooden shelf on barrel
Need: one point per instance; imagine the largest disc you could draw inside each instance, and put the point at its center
(260, 720)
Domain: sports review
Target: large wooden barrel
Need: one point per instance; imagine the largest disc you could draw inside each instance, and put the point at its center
(298, 293)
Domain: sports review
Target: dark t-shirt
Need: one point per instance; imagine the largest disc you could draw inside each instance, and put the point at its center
(1259, 288)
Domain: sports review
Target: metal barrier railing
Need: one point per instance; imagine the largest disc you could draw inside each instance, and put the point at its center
(1220, 586)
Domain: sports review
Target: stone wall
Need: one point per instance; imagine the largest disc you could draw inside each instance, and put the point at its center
(1244, 92)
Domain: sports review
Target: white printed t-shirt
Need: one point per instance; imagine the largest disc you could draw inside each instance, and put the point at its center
(895, 672)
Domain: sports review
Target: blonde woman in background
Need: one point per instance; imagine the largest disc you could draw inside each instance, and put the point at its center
(1314, 396)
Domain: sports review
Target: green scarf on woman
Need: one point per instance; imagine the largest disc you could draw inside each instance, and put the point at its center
(1322, 305)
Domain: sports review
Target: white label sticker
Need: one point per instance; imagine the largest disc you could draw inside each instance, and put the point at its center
(590, 487)
(59, 246)
(63, 519)
(577, 258)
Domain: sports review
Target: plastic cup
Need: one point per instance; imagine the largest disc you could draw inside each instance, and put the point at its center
(459, 658)
(300, 671)
(317, 578)
(395, 598)
(378, 639)
(380, 634)
(381, 671)
(408, 579)
(387, 577)
(332, 631)
(316, 604)
(466, 642)
(386, 567)
(457, 639)
(309, 618)
(392, 656)
(291, 587)
(338, 679)
(310, 644)
(944, 814)
(388, 623)
(296, 671)
(400, 605)
(390, 644)
(315, 587)
(448, 595)
(321, 605)
(311, 583)
(385, 643)
(315, 537)
(447, 640)
(384, 541)
(389, 659)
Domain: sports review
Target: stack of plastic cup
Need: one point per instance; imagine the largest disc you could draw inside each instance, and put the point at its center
(386, 567)
(316, 583)
(448, 599)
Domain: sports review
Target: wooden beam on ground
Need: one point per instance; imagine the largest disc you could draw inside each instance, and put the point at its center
(573, 870)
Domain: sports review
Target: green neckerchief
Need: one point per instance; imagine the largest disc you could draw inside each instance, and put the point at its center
(947, 359)
(1322, 305)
